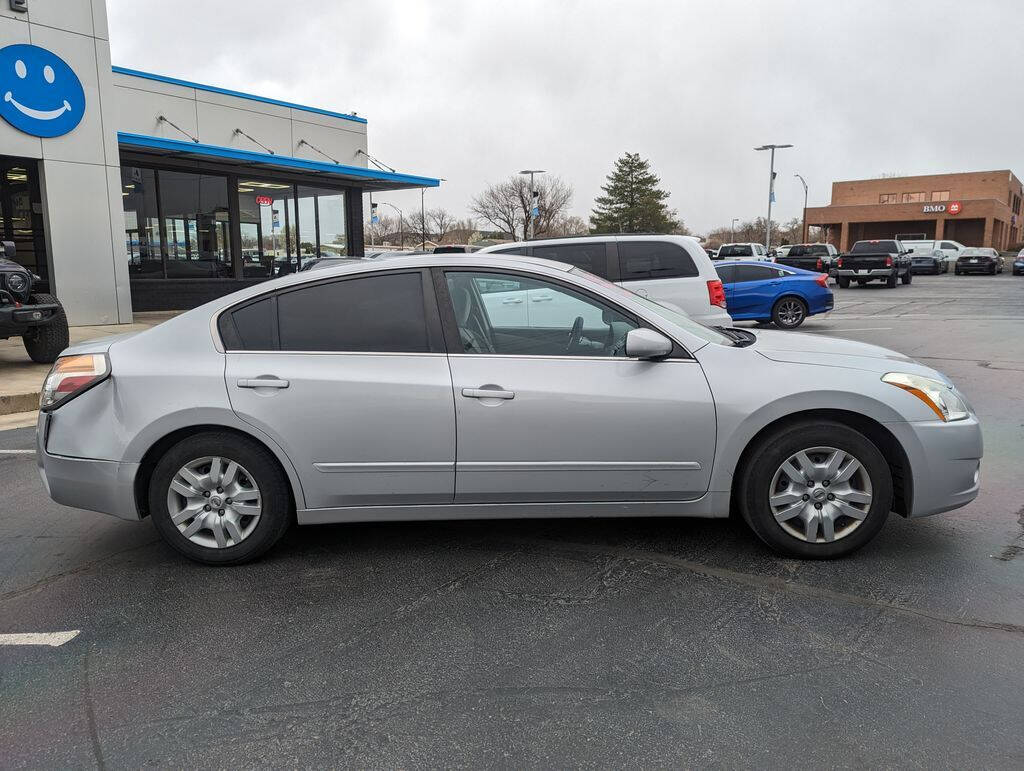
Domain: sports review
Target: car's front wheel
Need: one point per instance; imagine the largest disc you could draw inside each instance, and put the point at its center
(907, 277)
(789, 312)
(219, 498)
(44, 343)
(815, 490)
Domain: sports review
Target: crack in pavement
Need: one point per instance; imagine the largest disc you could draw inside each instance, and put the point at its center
(1014, 547)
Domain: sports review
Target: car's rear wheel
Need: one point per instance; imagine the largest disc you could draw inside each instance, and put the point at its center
(891, 281)
(44, 343)
(789, 312)
(907, 277)
(844, 283)
(219, 498)
(815, 490)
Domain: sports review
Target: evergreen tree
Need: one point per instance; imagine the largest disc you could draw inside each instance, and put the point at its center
(632, 201)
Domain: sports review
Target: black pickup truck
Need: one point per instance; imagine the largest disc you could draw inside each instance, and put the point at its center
(883, 260)
(817, 257)
(37, 318)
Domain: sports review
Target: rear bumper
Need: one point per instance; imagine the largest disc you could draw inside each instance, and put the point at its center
(97, 485)
(981, 267)
(945, 460)
(869, 273)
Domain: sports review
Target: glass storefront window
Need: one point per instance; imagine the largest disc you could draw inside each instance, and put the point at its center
(329, 236)
(267, 216)
(196, 225)
(141, 222)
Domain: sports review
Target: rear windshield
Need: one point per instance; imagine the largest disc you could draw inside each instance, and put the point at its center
(813, 250)
(976, 251)
(868, 247)
(736, 250)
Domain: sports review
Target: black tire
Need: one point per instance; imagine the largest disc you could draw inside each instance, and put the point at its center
(992, 271)
(756, 477)
(907, 277)
(799, 313)
(957, 272)
(844, 283)
(891, 281)
(276, 514)
(44, 343)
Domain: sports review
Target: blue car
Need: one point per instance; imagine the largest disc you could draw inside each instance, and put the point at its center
(764, 291)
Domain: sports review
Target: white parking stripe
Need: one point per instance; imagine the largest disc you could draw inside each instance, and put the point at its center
(17, 452)
(854, 329)
(53, 639)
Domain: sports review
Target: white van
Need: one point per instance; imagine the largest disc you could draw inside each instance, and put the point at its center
(666, 269)
(951, 249)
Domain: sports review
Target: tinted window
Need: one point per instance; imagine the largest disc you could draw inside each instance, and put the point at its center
(653, 259)
(727, 273)
(752, 273)
(506, 314)
(874, 247)
(591, 256)
(510, 250)
(948, 245)
(811, 250)
(377, 313)
(736, 250)
(255, 326)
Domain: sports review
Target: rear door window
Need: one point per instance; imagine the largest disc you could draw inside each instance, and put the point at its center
(726, 273)
(752, 273)
(255, 326)
(644, 260)
(591, 256)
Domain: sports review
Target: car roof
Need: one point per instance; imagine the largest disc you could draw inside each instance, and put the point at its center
(589, 238)
(791, 269)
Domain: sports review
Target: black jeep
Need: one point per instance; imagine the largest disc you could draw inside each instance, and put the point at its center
(38, 319)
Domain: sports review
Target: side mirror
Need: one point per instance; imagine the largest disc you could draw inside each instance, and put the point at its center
(10, 250)
(647, 344)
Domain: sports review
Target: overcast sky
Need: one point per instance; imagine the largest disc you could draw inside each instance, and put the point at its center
(473, 91)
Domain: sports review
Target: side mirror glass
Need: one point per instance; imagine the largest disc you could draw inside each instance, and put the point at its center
(647, 344)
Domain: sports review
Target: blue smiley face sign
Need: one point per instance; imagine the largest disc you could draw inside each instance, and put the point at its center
(42, 95)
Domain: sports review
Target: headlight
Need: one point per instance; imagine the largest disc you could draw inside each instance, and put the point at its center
(942, 399)
(17, 282)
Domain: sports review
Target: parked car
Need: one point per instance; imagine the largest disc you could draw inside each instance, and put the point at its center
(783, 295)
(455, 249)
(667, 269)
(746, 251)
(933, 262)
(36, 317)
(1018, 264)
(979, 259)
(332, 396)
(781, 251)
(875, 260)
(816, 257)
(951, 249)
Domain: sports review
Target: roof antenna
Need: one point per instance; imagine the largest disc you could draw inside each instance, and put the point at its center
(316, 149)
(162, 119)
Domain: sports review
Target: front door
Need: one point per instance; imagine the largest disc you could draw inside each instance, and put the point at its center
(351, 380)
(549, 409)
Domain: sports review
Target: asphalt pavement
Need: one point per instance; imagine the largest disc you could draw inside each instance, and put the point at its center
(566, 643)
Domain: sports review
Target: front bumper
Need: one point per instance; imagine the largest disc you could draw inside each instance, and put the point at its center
(945, 460)
(17, 315)
(84, 483)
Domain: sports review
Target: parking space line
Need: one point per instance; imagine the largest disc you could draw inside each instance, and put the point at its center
(53, 639)
(853, 329)
(17, 452)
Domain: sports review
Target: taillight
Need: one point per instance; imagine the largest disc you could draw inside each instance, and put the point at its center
(716, 293)
(888, 262)
(839, 262)
(818, 267)
(821, 279)
(71, 376)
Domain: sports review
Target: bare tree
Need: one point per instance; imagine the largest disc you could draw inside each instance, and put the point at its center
(441, 222)
(507, 205)
(463, 231)
(381, 230)
(417, 225)
(569, 225)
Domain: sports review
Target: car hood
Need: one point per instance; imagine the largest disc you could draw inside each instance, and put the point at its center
(796, 348)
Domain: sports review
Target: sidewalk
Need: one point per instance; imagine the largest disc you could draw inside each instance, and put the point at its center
(21, 378)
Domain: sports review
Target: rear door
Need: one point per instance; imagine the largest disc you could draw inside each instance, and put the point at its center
(350, 377)
(663, 271)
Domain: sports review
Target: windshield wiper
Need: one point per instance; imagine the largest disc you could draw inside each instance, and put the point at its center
(741, 338)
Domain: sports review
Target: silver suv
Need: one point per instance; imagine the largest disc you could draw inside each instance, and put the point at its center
(666, 269)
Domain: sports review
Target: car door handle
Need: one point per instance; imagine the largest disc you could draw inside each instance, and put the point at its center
(512, 301)
(262, 382)
(488, 393)
(543, 299)
(774, 283)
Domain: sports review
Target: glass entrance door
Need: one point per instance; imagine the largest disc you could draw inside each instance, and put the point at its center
(21, 215)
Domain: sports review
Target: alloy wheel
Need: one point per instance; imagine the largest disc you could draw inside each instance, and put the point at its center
(820, 494)
(790, 312)
(214, 502)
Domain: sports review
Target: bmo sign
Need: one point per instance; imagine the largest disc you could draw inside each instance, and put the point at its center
(953, 208)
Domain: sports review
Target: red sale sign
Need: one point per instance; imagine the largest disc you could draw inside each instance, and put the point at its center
(264, 200)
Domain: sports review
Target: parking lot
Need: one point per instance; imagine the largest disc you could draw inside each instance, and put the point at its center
(539, 643)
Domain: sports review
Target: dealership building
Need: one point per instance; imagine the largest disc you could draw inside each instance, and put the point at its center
(127, 190)
(980, 208)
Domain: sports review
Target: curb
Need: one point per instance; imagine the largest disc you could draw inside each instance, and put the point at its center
(11, 403)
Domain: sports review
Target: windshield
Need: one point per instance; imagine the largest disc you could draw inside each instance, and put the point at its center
(812, 250)
(678, 318)
(736, 250)
(874, 247)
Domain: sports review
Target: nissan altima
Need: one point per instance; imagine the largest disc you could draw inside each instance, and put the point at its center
(465, 386)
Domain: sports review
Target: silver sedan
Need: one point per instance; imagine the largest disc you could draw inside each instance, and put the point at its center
(463, 387)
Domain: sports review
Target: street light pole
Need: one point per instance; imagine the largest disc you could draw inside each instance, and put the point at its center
(533, 195)
(732, 229)
(771, 191)
(803, 228)
(401, 224)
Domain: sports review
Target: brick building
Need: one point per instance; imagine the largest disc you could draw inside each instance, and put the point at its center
(980, 208)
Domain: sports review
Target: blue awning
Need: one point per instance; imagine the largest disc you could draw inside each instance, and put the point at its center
(369, 179)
